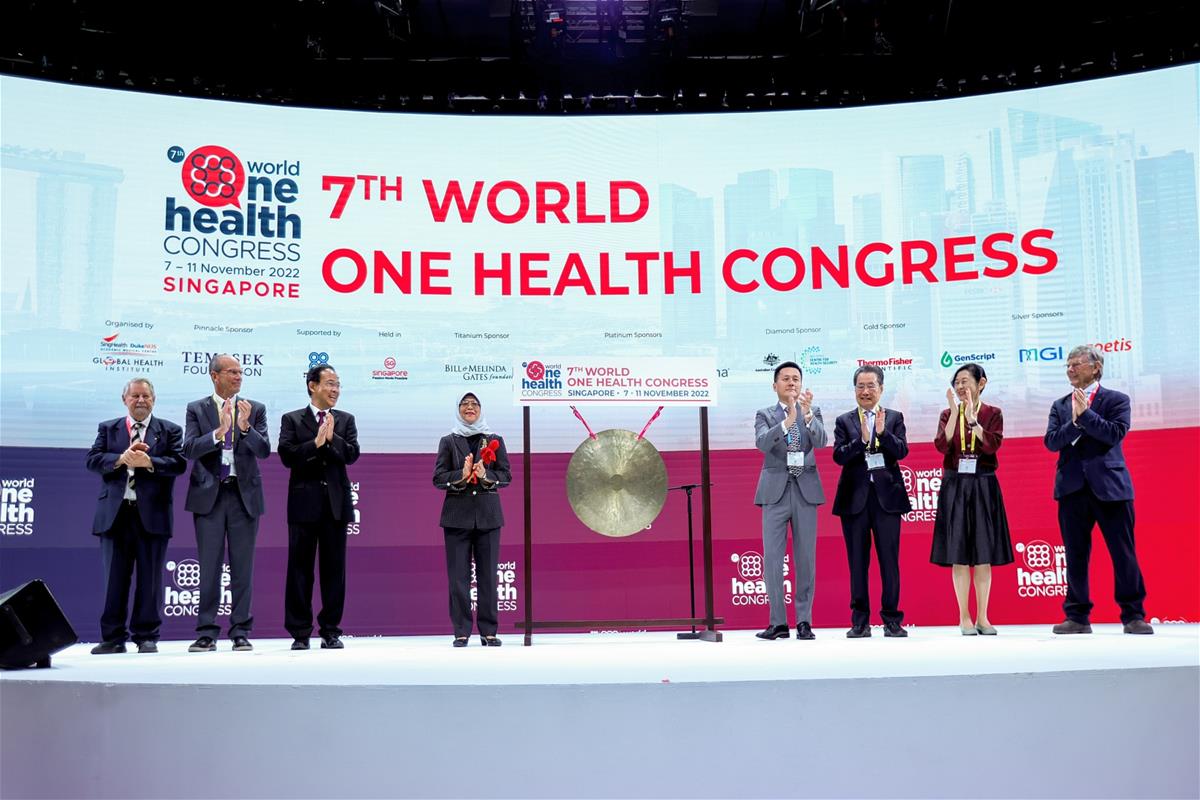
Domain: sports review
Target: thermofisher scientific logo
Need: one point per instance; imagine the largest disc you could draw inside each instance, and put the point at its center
(748, 587)
(1043, 572)
(922, 486)
(540, 378)
(16, 506)
(891, 362)
(183, 598)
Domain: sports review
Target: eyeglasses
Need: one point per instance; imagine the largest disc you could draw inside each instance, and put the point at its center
(231, 370)
(469, 404)
(1078, 364)
(864, 387)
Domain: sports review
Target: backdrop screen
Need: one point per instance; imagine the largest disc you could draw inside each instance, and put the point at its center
(427, 256)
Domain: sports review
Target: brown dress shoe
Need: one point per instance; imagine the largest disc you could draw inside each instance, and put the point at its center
(1138, 626)
(1071, 626)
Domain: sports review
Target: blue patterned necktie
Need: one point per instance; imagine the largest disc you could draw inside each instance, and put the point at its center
(794, 445)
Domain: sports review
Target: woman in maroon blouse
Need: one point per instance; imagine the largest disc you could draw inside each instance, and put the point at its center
(971, 529)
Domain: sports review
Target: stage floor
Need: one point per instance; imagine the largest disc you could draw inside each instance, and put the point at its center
(632, 658)
(1021, 714)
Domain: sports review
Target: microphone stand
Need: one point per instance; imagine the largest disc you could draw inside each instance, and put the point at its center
(687, 489)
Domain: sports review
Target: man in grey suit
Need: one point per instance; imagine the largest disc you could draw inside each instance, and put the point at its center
(225, 436)
(789, 491)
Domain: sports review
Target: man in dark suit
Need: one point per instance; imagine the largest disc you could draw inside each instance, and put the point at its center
(225, 436)
(138, 457)
(1092, 486)
(317, 446)
(868, 443)
(789, 491)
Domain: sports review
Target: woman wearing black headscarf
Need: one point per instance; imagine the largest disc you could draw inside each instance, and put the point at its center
(472, 465)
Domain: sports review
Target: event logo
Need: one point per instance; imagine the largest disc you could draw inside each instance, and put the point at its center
(922, 487)
(1038, 354)
(16, 506)
(1044, 573)
(748, 587)
(950, 359)
(389, 372)
(540, 377)
(213, 176)
(355, 526)
(506, 586)
(195, 362)
(183, 598)
(480, 372)
(118, 356)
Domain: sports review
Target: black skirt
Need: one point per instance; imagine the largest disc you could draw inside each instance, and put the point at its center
(971, 526)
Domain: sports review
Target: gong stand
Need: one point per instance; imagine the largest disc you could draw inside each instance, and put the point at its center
(709, 621)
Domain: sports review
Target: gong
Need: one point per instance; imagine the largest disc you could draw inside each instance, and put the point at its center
(616, 483)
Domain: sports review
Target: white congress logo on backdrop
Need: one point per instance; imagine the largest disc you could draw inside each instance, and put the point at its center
(183, 598)
(355, 526)
(747, 587)
(922, 487)
(16, 506)
(506, 586)
(1044, 571)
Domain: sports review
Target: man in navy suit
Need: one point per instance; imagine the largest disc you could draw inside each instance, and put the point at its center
(789, 491)
(138, 457)
(1092, 486)
(225, 435)
(868, 443)
(317, 446)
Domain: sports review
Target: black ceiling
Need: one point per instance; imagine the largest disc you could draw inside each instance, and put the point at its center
(549, 56)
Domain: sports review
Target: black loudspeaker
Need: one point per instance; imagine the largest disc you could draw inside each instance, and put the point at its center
(32, 627)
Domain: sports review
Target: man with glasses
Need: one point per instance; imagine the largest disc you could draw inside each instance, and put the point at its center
(225, 435)
(1092, 486)
(317, 446)
(868, 444)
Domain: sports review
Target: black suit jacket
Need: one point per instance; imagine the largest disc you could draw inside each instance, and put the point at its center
(318, 473)
(248, 448)
(470, 505)
(849, 452)
(1095, 459)
(154, 489)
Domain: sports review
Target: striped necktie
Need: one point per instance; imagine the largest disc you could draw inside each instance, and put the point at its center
(134, 438)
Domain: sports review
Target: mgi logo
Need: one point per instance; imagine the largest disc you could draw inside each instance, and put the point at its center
(195, 362)
(354, 528)
(541, 379)
(215, 178)
(506, 586)
(748, 588)
(16, 507)
(922, 487)
(1045, 570)
(183, 599)
(1040, 354)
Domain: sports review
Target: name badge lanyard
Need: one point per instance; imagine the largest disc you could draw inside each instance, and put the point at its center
(967, 445)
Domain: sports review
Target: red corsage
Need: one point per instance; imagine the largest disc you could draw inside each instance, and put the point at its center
(487, 455)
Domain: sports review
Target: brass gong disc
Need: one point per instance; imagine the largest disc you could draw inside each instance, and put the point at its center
(616, 483)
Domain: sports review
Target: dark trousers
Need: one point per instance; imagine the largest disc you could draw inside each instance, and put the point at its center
(1078, 513)
(857, 529)
(123, 548)
(227, 522)
(463, 544)
(326, 537)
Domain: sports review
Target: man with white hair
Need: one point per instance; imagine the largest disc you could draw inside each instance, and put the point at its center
(1092, 487)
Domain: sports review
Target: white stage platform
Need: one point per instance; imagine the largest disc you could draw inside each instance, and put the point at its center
(1022, 714)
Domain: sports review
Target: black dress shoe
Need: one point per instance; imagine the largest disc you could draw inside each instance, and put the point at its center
(490, 641)
(333, 642)
(894, 630)
(202, 645)
(300, 644)
(241, 643)
(147, 647)
(461, 641)
(1138, 626)
(859, 632)
(775, 632)
(1071, 626)
(804, 631)
(108, 648)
